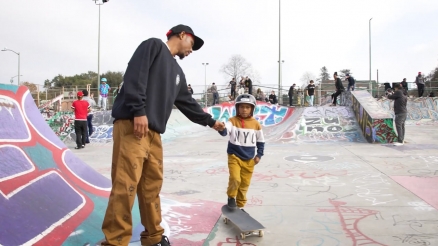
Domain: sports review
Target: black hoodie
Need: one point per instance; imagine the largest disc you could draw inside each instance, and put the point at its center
(153, 83)
(400, 102)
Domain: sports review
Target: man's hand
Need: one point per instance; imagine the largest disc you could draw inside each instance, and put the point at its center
(256, 160)
(219, 126)
(141, 126)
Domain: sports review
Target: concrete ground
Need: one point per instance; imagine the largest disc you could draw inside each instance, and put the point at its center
(325, 193)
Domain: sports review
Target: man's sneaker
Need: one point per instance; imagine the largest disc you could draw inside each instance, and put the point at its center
(164, 242)
(398, 144)
(232, 202)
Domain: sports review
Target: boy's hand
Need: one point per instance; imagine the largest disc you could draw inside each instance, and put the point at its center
(256, 160)
(219, 126)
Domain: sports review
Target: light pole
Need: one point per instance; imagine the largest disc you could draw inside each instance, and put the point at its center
(18, 53)
(97, 2)
(12, 79)
(280, 97)
(279, 53)
(205, 81)
(370, 85)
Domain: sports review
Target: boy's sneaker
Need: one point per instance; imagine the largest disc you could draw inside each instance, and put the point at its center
(164, 242)
(232, 202)
(398, 144)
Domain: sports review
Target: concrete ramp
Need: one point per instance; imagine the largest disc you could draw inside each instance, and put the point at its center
(421, 111)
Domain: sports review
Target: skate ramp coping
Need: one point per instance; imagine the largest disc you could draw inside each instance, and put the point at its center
(376, 122)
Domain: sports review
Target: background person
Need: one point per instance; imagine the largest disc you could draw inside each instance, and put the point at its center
(419, 80)
(103, 94)
(80, 108)
(92, 104)
(291, 94)
(400, 111)
(310, 91)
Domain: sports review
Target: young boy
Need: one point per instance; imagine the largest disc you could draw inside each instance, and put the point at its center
(246, 136)
(81, 109)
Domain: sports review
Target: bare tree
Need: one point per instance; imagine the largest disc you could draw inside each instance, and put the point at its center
(236, 67)
(307, 76)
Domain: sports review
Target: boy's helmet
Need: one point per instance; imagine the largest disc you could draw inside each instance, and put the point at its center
(103, 80)
(245, 98)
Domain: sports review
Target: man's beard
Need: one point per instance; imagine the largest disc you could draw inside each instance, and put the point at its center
(181, 56)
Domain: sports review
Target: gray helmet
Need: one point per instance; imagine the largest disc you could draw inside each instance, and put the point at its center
(246, 98)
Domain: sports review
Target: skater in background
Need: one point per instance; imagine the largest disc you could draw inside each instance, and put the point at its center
(81, 109)
(339, 88)
(245, 149)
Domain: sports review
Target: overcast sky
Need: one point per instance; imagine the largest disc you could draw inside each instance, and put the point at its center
(60, 37)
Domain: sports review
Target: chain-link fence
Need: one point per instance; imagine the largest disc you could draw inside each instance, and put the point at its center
(59, 99)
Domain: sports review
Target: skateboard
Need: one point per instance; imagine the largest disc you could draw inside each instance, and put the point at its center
(246, 224)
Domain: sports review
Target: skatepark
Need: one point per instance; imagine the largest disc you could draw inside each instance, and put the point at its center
(329, 176)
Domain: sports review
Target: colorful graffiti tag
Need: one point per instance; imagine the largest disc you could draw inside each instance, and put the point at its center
(376, 123)
(266, 114)
(421, 111)
(50, 197)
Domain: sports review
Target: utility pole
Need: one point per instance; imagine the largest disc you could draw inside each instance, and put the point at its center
(205, 82)
(370, 85)
(280, 99)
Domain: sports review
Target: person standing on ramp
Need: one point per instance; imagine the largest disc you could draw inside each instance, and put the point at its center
(153, 83)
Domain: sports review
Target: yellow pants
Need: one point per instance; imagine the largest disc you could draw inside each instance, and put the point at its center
(137, 169)
(240, 178)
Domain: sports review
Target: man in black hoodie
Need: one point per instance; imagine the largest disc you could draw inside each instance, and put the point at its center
(153, 83)
(339, 88)
(401, 111)
(291, 94)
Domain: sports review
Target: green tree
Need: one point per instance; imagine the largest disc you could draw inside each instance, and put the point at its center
(343, 72)
(113, 78)
(324, 75)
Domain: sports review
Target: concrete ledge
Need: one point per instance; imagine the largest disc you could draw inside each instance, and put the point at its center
(377, 124)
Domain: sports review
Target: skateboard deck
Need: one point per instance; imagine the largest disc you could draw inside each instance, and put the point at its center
(246, 224)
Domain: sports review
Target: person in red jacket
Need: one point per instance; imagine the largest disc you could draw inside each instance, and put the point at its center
(81, 109)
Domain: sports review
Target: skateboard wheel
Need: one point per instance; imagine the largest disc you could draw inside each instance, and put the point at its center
(261, 233)
(242, 236)
(226, 220)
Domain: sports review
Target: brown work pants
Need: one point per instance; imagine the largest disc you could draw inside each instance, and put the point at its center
(137, 168)
(240, 178)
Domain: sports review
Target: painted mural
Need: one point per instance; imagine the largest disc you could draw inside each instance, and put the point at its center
(421, 111)
(376, 123)
(267, 114)
(50, 197)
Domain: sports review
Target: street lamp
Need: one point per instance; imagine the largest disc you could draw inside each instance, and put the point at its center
(279, 53)
(97, 2)
(205, 81)
(280, 96)
(12, 79)
(18, 53)
(370, 85)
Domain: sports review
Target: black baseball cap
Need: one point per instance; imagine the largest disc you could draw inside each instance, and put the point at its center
(183, 28)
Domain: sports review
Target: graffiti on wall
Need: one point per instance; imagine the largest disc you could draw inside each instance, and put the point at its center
(376, 123)
(421, 111)
(267, 114)
(50, 197)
